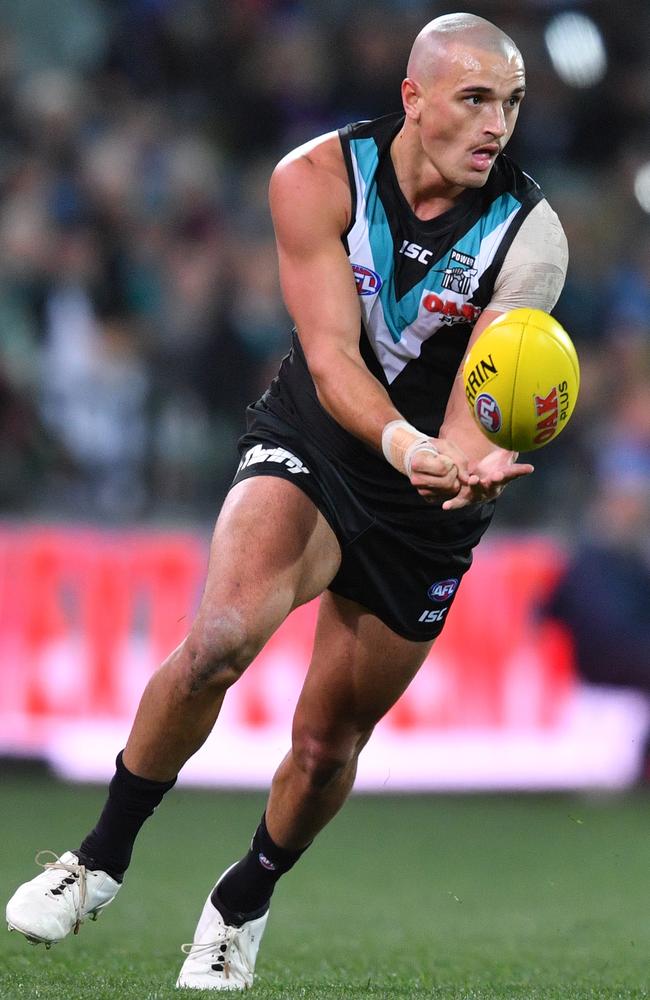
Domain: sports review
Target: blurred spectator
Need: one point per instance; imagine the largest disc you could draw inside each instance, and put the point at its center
(604, 595)
(139, 304)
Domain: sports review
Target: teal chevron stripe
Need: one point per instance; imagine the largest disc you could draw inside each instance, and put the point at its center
(500, 209)
(399, 314)
(381, 239)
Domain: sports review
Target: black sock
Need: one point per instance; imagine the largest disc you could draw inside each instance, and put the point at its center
(131, 800)
(245, 891)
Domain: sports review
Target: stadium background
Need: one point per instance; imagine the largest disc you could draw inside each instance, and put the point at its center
(140, 312)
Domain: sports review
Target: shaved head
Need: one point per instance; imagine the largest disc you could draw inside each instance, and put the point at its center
(461, 99)
(448, 38)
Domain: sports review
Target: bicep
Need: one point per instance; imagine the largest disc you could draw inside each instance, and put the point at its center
(315, 275)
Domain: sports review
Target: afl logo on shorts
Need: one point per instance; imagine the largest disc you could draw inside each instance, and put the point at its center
(443, 590)
(488, 412)
(368, 282)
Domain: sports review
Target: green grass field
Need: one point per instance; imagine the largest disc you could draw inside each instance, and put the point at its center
(480, 898)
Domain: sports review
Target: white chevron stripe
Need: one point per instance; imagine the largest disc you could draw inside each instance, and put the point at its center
(392, 356)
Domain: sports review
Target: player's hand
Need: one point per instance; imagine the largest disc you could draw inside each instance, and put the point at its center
(440, 472)
(488, 479)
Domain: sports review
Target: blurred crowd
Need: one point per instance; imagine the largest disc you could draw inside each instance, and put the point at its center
(139, 304)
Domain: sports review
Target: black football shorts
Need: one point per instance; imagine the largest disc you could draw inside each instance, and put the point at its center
(405, 575)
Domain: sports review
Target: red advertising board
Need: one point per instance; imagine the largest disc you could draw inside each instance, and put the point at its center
(86, 616)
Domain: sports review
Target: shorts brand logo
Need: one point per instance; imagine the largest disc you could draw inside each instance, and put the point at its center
(433, 616)
(280, 456)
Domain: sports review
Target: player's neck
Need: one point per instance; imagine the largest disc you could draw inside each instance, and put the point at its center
(426, 191)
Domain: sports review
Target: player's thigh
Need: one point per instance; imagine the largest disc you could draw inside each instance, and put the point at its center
(271, 550)
(359, 669)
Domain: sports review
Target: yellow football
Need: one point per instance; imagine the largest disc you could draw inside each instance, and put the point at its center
(521, 379)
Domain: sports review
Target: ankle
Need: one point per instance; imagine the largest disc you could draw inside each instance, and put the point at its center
(246, 889)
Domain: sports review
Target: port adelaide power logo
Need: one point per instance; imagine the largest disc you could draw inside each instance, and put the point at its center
(457, 276)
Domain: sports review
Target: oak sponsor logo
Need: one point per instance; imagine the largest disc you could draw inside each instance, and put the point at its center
(550, 410)
(278, 456)
(450, 311)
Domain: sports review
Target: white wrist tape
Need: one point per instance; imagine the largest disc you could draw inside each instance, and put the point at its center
(399, 443)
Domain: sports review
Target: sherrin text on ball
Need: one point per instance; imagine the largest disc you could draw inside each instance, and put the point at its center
(521, 379)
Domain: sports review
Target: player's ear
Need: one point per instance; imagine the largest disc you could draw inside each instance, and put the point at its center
(411, 98)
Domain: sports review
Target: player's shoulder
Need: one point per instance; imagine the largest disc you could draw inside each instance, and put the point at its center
(316, 167)
(541, 236)
(309, 186)
(544, 219)
(541, 228)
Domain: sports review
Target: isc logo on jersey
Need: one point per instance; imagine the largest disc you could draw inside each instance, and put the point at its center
(415, 252)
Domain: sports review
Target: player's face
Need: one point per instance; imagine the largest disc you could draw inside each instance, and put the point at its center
(467, 113)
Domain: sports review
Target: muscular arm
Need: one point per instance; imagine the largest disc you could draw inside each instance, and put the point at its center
(531, 276)
(310, 208)
(310, 205)
(458, 424)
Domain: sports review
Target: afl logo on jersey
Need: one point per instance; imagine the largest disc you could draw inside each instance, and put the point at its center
(368, 281)
(488, 412)
(443, 590)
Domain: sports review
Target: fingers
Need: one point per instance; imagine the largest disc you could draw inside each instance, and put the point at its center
(440, 460)
(441, 473)
(462, 499)
(432, 463)
(516, 471)
(434, 475)
(488, 487)
(434, 490)
(501, 476)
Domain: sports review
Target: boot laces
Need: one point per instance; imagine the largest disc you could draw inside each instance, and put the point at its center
(218, 953)
(76, 874)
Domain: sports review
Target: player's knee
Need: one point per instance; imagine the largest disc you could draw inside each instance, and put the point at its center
(217, 653)
(323, 760)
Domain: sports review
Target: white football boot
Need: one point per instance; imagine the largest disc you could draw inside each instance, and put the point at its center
(58, 900)
(221, 957)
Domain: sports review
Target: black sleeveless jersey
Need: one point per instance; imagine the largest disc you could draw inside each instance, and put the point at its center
(422, 286)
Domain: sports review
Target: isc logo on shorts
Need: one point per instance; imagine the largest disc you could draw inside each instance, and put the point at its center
(433, 616)
(441, 591)
(280, 456)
